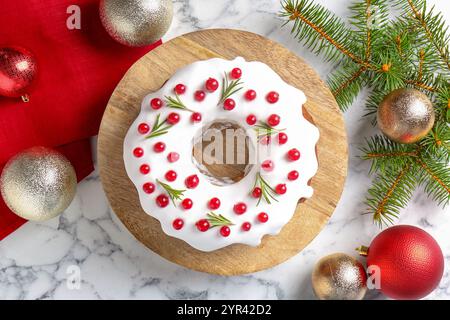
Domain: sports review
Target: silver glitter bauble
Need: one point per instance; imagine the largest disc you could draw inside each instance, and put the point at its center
(406, 115)
(136, 23)
(38, 183)
(339, 277)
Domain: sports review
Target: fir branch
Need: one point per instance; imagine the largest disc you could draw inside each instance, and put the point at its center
(229, 88)
(390, 192)
(176, 103)
(346, 84)
(264, 130)
(218, 220)
(436, 179)
(437, 143)
(158, 128)
(267, 192)
(174, 194)
(386, 155)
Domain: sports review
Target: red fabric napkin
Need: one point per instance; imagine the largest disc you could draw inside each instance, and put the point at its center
(78, 70)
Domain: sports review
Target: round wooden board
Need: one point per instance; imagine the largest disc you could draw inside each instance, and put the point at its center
(148, 75)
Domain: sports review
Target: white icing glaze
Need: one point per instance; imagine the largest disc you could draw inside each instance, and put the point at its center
(302, 136)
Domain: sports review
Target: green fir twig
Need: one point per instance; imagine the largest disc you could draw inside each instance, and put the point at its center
(174, 194)
(267, 192)
(229, 88)
(159, 128)
(218, 220)
(176, 103)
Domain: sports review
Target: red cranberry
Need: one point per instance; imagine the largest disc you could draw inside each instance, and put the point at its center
(159, 147)
(229, 104)
(138, 152)
(246, 226)
(281, 188)
(265, 140)
(282, 138)
(236, 73)
(143, 128)
(272, 97)
(293, 154)
(273, 120)
(211, 85)
(173, 157)
(202, 225)
(263, 217)
(257, 192)
(187, 204)
(144, 169)
(171, 175)
(192, 181)
(148, 187)
(250, 95)
(180, 88)
(225, 231)
(196, 117)
(267, 165)
(173, 118)
(214, 204)
(156, 103)
(162, 200)
(199, 95)
(178, 224)
(240, 208)
(251, 119)
(293, 175)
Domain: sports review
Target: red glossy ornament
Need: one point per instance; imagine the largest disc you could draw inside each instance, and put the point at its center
(187, 203)
(18, 70)
(410, 262)
(225, 231)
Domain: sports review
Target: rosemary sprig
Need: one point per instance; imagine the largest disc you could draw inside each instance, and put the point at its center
(218, 220)
(174, 194)
(229, 88)
(263, 129)
(176, 103)
(159, 128)
(267, 192)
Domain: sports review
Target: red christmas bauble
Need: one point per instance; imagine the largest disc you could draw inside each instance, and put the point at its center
(18, 69)
(410, 262)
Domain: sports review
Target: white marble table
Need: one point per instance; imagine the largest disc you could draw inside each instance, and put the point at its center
(37, 260)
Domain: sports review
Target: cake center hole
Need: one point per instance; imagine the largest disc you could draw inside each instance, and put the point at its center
(223, 152)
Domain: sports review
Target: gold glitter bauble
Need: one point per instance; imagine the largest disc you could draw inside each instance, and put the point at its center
(38, 183)
(405, 115)
(339, 277)
(136, 23)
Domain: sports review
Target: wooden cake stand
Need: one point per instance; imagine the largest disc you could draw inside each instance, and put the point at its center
(148, 75)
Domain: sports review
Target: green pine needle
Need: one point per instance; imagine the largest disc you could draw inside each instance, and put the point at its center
(268, 193)
(218, 220)
(159, 128)
(262, 129)
(174, 194)
(229, 88)
(176, 103)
